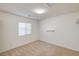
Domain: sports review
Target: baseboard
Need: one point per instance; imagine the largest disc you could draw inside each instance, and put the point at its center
(59, 45)
(43, 41)
(17, 46)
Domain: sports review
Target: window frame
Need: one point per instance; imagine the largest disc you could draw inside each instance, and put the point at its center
(25, 34)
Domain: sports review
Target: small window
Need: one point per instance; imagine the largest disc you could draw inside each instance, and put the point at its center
(24, 29)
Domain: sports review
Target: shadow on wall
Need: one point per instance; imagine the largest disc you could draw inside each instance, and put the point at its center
(1, 35)
(77, 22)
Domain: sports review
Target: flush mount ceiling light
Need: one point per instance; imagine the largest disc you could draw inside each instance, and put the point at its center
(39, 11)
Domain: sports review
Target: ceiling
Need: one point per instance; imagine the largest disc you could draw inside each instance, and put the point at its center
(26, 9)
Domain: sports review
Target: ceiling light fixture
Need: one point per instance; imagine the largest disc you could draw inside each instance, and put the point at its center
(39, 11)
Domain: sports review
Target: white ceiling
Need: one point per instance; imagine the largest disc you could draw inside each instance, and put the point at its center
(26, 9)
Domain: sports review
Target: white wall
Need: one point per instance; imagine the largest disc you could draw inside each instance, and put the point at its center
(9, 34)
(66, 30)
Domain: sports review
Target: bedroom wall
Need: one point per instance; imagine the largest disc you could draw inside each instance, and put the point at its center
(61, 30)
(66, 32)
(9, 31)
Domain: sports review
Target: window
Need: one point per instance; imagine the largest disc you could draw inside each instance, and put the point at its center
(24, 29)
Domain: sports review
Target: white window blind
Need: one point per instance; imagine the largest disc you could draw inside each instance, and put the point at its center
(24, 29)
